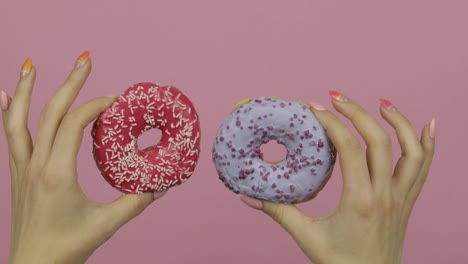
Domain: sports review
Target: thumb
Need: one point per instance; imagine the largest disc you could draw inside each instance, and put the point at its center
(289, 216)
(129, 206)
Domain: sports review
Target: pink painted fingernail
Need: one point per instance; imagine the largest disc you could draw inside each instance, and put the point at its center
(160, 194)
(432, 129)
(252, 202)
(82, 59)
(387, 105)
(4, 102)
(338, 96)
(317, 106)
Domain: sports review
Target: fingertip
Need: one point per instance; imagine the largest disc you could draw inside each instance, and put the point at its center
(428, 137)
(101, 103)
(4, 101)
(83, 60)
(338, 96)
(289, 216)
(137, 203)
(109, 99)
(323, 116)
(127, 207)
(432, 129)
(158, 195)
(317, 106)
(148, 198)
(252, 202)
(386, 105)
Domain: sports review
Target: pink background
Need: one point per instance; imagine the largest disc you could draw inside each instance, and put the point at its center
(413, 52)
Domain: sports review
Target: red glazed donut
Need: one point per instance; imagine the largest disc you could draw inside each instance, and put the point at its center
(142, 107)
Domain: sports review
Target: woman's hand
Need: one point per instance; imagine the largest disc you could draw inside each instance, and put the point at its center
(370, 222)
(52, 220)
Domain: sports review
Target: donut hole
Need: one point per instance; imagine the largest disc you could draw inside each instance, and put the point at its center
(273, 152)
(148, 139)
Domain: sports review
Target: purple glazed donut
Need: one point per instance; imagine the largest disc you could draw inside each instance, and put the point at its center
(239, 161)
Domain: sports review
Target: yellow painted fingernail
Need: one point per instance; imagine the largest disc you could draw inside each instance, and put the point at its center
(82, 59)
(26, 69)
(242, 102)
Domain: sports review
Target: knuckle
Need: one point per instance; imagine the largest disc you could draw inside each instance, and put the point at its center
(388, 204)
(429, 151)
(48, 111)
(277, 214)
(102, 223)
(350, 141)
(416, 156)
(356, 113)
(50, 178)
(138, 207)
(50, 182)
(366, 205)
(13, 128)
(73, 80)
(381, 139)
(418, 185)
(70, 120)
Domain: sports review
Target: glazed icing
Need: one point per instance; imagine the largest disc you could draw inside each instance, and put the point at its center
(170, 162)
(239, 161)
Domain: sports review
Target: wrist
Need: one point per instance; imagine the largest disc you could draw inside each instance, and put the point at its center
(31, 257)
(365, 260)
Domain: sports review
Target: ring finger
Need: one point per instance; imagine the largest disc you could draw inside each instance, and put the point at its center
(15, 115)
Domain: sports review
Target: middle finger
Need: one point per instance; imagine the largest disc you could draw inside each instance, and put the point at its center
(58, 106)
(379, 148)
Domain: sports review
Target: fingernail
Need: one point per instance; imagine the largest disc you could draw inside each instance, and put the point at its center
(242, 102)
(26, 69)
(160, 194)
(4, 101)
(251, 202)
(82, 59)
(317, 106)
(432, 129)
(388, 105)
(338, 96)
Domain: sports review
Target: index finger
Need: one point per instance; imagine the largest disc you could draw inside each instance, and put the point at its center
(352, 158)
(70, 134)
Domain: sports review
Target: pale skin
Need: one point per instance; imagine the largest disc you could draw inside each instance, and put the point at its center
(54, 222)
(369, 224)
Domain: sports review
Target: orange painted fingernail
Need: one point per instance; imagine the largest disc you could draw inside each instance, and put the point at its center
(338, 96)
(4, 102)
(387, 105)
(26, 69)
(432, 129)
(82, 59)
